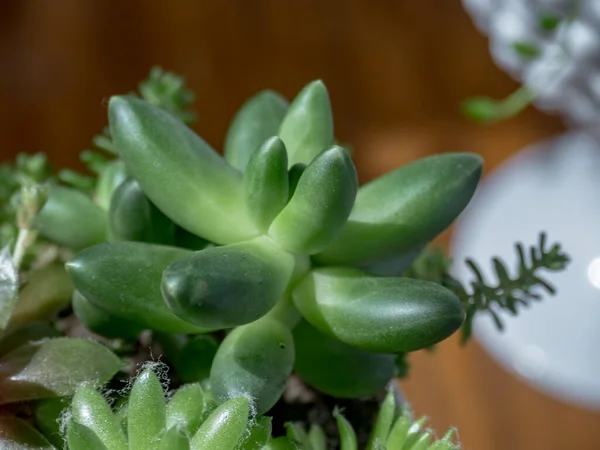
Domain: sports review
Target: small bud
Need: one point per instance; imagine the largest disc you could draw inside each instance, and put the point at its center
(32, 200)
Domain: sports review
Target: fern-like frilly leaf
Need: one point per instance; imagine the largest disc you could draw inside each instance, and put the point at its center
(508, 292)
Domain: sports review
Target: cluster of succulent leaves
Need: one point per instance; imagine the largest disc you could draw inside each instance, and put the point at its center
(246, 268)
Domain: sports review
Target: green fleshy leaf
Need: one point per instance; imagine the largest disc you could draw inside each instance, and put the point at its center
(384, 422)
(91, 410)
(266, 183)
(102, 322)
(399, 432)
(123, 278)
(9, 287)
(422, 443)
(48, 413)
(185, 409)
(112, 175)
(16, 336)
(81, 437)
(16, 434)
(47, 291)
(224, 428)
(317, 438)
(133, 217)
(196, 357)
(382, 315)
(338, 369)
(180, 173)
(71, 219)
(255, 361)
(227, 286)
(347, 435)
(174, 439)
(257, 120)
(294, 175)
(307, 128)
(54, 368)
(404, 209)
(260, 433)
(320, 206)
(146, 412)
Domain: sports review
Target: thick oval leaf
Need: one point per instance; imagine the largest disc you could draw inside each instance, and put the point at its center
(179, 172)
(403, 210)
(258, 119)
(224, 428)
(383, 315)
(54, 368)
(47, 291)
(185, 409)
(266, 183)
(113, 174)
(146, 412)
(91, 410)
(102, 322)
(133, 217)
(320, 205)
(123, 278)
(307, 128)
(338, 369)
(16, 434)
(70, 218)
(48, 414)
(81, 437)
(227, 286)
(255, 361)
(9, 287)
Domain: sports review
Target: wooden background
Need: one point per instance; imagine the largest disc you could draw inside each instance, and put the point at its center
(396, 71)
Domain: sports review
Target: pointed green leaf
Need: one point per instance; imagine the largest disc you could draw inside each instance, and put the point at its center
(47, 291)
(259, 435)
(406, 208)
(48, 413)
(9, 287)
(382, 315)
(70, 218)
(258, 119)
(307, 128)
(266, 183)
(102, 322)
(223, 287)
(185, 409)
(254, 360)
(317, 438)
(81, 437)
(347, 434)
(111, 177)
(338, 369)
(320, 205)
(146, 412)
(91, 410)
(133, 217)
(196, 357)
(123, 278)
(16, 434)
(383, 423)
(224, 428)
(54, 368)
(422, 443)
(174, 439)
(399, 432)
(414, 433)
(180, 173)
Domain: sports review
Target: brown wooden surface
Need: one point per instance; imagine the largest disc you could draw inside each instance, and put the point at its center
(396, 71)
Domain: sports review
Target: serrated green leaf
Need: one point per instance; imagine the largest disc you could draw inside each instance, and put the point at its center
(91, 410)
(254, 360)
(266, 183)
(81, 437)
(9, 287)
(123, 278)
(146, 412)
(70, 218)
(257, 120)
(224, 428)
(307, 128)
(320, 206)
(185, 409)
(16, 434)
(338, 369)
(406, 208)
(382, 315)
(347, 434)
(180, 173)
(54, 368)
(227, 286)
